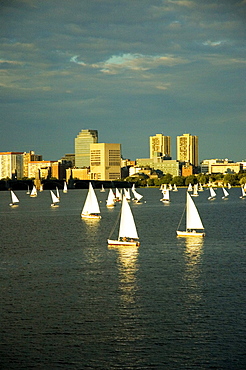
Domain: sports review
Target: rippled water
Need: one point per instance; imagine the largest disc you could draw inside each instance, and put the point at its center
(68, 301)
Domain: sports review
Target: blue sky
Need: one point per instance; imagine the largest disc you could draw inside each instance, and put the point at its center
(127, 68)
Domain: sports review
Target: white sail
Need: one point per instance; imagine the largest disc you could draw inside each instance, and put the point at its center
(91, 206)
(226, 194)
(212, 193)
(195, 190)
(137, 196)
(54, 198)
(57, 193)
(243, 192)
(200, 187)
(34, 191)
(118, 194)
(127, 223)
(166, 196)
(41, 188)
(110, 199)
(170, 187)
(127, 193)
(175, 187)
(229, 185)
(102, 189)
(65, 187)
(189, 187)
(14, 198)
(193, 220)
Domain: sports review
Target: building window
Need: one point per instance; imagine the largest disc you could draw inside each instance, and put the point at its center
(114, 158)
(95, 157)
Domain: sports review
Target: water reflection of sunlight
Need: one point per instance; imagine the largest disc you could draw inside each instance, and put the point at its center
(128, 266)
(193, 259)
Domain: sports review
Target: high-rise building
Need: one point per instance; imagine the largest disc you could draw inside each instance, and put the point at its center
(160, 146)
(187, 149)
(29, 157)
(11, 165)
(82, 147)
(105, 163)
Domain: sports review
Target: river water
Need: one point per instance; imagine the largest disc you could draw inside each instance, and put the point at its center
(70, 302)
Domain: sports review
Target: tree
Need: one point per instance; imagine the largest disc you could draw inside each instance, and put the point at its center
(191, 180)
(178, 180)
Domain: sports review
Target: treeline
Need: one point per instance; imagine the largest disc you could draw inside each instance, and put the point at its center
(236, 179)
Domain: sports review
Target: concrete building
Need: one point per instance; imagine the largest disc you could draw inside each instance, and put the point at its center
(78, 173)
(160, 145)
(209, 166)
(187, 149)
(105, 161)
(11, 165)
(82, 147)
(29, 157)
(41, 167)
(166, 166)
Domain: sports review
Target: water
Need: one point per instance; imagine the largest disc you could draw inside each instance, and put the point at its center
(68, 301)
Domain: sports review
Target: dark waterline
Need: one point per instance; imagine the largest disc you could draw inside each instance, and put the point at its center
(68, 301)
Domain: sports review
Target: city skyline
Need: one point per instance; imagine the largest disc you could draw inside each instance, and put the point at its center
(127, 69)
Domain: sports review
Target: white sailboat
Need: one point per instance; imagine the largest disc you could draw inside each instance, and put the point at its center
(195, 191)
(110, 202)
(128, 235)
(136, 196)
(102, 189)
(65, 187)
(229, 185)
(41, 188)
(189, 187)
(34, 192)
(193, 220)
(127, 194)
(91, 207)
(243, 196)
(170, 187)
(175, 187)
(14, 199)
(55, 200)
(225, 192)
(166, 196)
(200, 187)
(28, 190)
(57, 193)
(118, 195)
(212, 194)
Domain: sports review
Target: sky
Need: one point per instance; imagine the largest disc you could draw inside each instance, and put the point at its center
(127, 68)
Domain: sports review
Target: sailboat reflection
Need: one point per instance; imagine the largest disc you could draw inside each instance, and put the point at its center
(128, 265)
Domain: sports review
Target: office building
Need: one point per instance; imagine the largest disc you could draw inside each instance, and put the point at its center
(160, 145)
(29, 157)
(82, 147)
(11, 165)
(187, 149)
(39, 169)
(166, 166)
(105, 161)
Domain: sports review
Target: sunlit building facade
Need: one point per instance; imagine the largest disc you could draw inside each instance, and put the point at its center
(11, 165)
(160, 145)
(105, 161)
(82, 147)
(187, 149)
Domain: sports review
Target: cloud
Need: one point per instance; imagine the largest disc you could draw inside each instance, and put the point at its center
(213, 43)
(132, 62)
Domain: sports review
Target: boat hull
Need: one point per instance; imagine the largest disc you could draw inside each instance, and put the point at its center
(90, 216)
(189, 233)
(123, 243)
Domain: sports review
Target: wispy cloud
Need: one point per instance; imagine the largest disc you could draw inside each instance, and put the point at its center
(213, 43)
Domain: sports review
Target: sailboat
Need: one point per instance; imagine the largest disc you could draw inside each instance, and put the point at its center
(65, 187)
(127, 194)
(189, 187)
(34, 192)
(118, 195)
(212, 194)
(243, 196)
(193, 220)
(195, 191)
(41, 188)
(166, 196)
(137, 197)
(127, 231)
(91, 206)
(14, 199)
(229, 185)
(28, 190)
(102, 189)
(57, 193)
(200, 187)
(175, 187)
(110, 202)
(55, 200)
(226, 194)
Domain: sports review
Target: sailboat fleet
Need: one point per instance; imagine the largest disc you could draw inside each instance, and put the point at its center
(127, 232)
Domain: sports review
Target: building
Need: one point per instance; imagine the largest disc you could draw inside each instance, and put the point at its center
(187, 149)
(77, 174)
(213, 166)
(29, 157)
(82, 147)
(105, 161)
(69, 159)
(42, 168)
(166, 166)
(11, 165)
(160, 145)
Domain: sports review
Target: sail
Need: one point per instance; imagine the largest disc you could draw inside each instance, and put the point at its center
(110, 199)
(127, 223)
(54, 197)
(212, 192)
(193, 220)
(166, 195)
(14, 197)
(34, 191)
(127, 193)
(225, 192)
(136, 194)
(189, 187)
(65, 187)
(118, 194)
(91, 204)
(195, 190)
